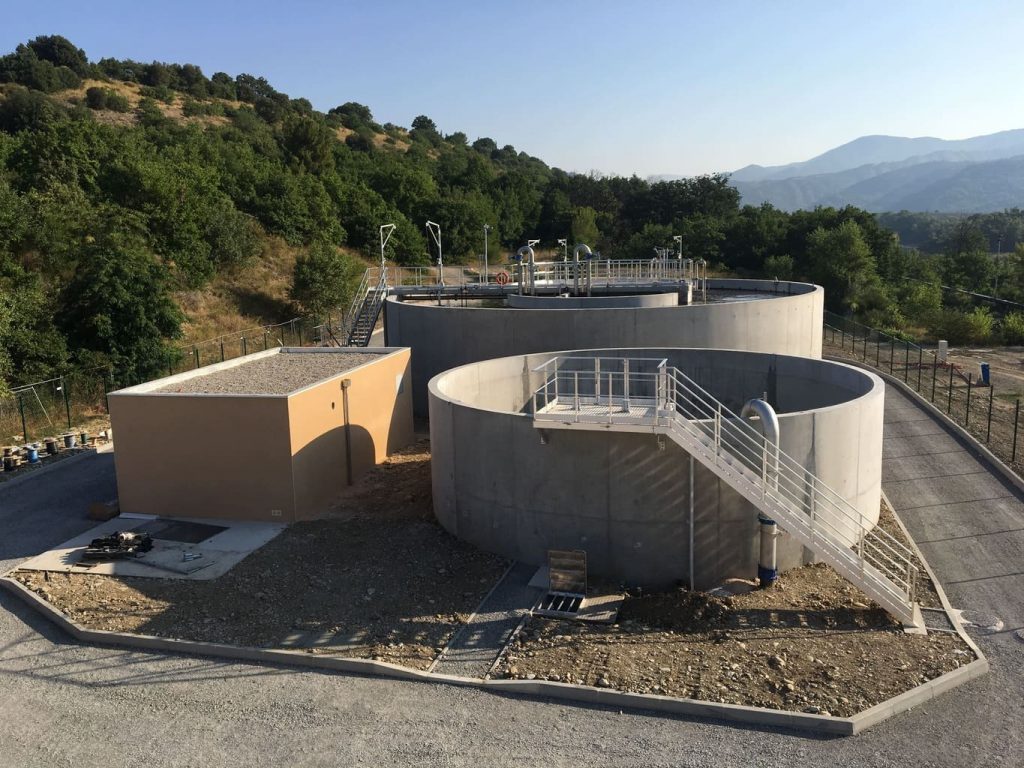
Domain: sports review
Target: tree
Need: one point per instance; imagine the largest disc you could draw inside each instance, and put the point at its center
(323, 279)
(118, 310)
(584, 226)
(60, 52)
(840, 261)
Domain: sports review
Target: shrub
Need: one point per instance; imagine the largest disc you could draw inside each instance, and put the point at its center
(1013, 328)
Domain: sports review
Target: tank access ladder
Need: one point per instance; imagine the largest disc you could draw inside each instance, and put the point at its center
(646, 395)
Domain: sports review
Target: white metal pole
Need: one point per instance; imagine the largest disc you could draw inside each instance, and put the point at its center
(487, 228)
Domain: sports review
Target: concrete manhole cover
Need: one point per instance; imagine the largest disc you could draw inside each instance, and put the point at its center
(981, 621)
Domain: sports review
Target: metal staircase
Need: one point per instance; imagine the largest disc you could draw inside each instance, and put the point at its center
(646, 395)
(364, 311)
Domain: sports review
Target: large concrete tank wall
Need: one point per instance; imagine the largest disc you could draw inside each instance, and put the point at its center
(624, 497)
(445, 336)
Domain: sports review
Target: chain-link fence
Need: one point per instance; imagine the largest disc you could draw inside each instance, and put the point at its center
(77, 400)
(968, 394)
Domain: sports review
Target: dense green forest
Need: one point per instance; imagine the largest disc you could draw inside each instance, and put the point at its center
(123, 184)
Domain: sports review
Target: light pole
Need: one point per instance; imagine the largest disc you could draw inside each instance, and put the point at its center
(487, 274)
(435, 232)
(679, 242)
(385, 235)
(562, 241)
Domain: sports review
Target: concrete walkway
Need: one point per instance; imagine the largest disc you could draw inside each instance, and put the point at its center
(64, 704)
(475, 647)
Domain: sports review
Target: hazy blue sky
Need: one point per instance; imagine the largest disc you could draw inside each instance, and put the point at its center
(619, 87)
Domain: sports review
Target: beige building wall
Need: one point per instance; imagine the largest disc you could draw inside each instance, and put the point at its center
(207, 456)
(274, 458)
(379, 406)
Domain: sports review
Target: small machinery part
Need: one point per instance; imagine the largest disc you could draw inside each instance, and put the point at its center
(118, 546)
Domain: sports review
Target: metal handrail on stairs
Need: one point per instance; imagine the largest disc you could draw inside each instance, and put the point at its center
(643, 393)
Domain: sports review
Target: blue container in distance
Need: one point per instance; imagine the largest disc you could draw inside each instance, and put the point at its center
(33, 454)
(984, 374)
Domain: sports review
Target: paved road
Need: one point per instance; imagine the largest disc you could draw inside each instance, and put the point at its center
(66, 704)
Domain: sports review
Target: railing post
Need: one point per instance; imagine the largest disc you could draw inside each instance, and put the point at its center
(920, 359)
(575, 392)
(195, 351)
(597, 381)
(906, 361)
(988, 429)
(949, 396)
(1016, 419)
(67, 399)
(967, 416)
(625, 384)
(24, 424)
(718, 431)
(935, 373)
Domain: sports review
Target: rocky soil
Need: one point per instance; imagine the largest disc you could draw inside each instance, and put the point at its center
(273, 375)
(812, 643)
(379, 580)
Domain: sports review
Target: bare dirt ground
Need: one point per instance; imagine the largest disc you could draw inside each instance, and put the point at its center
(812, 643)
(379, 580)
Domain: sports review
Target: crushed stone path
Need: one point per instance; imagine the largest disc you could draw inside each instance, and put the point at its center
(475, 647)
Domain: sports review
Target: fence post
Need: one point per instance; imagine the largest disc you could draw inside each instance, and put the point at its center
(906, 367)
(67, 399)
(892, 353)
(842, 339)
(878, 349)
(935, 373)
(195, 351)
(245, 347)
(920, 360)
(24, 426)
(1016, 419)
(967, 417)
(988, 429)
(300, 333)
(222, 351)
(264, 340)
(949, 398)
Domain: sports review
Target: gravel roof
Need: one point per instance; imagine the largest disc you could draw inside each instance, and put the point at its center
(273, 375)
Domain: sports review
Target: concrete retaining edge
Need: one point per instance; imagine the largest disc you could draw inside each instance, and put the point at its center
(802, 721)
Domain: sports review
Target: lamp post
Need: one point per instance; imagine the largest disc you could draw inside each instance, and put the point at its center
(679, 242)
(385, 235)
(564, 242)
(435, 232)
(487, 274)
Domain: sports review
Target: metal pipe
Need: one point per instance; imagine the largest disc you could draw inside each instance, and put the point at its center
(767, 564)
(580, 248)
(692, 554)
(769, 423)
(345, 384)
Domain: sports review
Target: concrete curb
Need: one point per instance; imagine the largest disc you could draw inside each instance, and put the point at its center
(54, 466)
(839, 726)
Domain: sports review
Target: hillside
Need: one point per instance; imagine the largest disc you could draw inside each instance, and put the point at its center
(147, 205)
(889, 173)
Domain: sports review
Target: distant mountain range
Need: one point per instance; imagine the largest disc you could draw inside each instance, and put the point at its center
(893, 173)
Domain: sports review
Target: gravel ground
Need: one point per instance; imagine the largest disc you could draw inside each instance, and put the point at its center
(380, 580)
(274, 375)
(812, 643)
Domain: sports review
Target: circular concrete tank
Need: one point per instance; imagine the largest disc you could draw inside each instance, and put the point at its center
(670, 299)
(510, 488)
(755, 315)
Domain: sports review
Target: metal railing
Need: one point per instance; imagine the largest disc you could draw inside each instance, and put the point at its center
(650, 393)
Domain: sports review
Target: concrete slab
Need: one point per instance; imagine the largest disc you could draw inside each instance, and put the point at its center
(167, 560)
(977, 486)
(897, 447)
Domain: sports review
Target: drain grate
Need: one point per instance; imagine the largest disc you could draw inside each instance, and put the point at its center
(565, 604)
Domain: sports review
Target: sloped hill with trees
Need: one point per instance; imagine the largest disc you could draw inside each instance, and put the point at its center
(140, 201)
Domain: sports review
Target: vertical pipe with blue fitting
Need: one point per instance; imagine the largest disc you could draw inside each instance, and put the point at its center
(767, 565)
